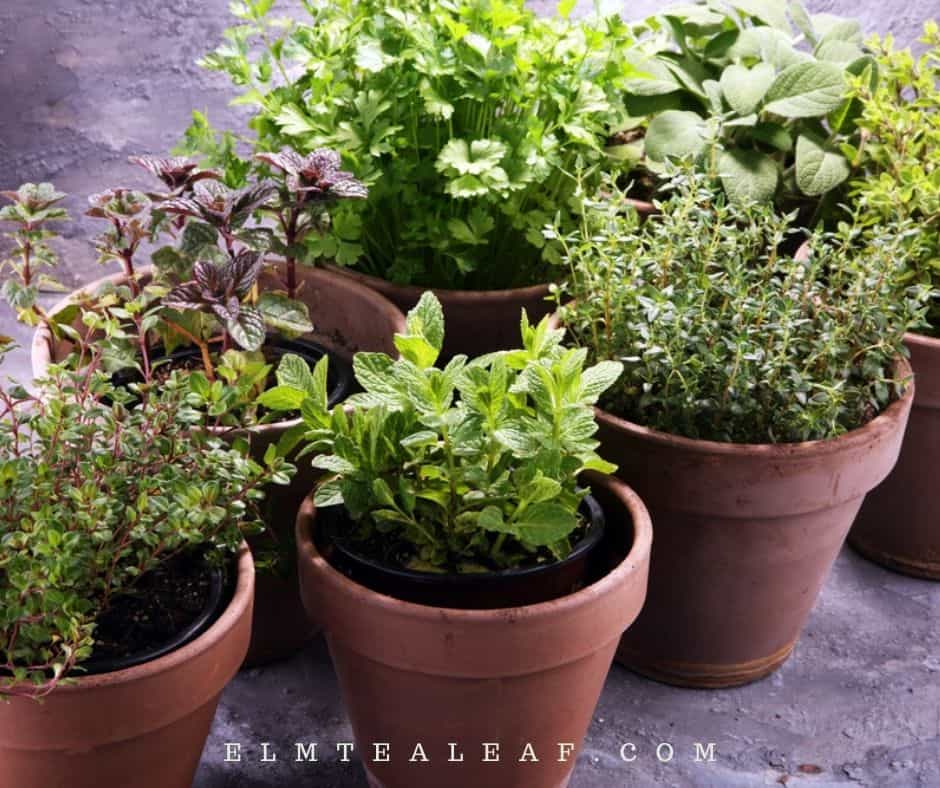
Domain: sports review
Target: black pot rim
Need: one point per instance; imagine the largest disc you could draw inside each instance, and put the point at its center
(340, 370)
(215, 605)
(594, 534)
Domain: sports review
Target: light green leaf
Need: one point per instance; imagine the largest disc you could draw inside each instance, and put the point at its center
(433, 102)
(769, 45)
(294, 122)
(597, 379)
(417, 350)
(292, 371)
(545, 524)
(282, 398)
(819, 168)
(249, 330)
(491, 519)
(747, 175)
(743, 88)
(836, 51)
(284, 314)
(426, 319)
(773, 12)
(806, 90)
(565, 7)
(675, 133)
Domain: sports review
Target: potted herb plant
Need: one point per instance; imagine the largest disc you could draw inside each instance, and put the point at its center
(453, 548)
(758, 94)
(126, 587)
(763, 396)
(900, 176)
(468, 122)
(214, 302)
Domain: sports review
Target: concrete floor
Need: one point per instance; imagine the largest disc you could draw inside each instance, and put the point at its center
(85, 83)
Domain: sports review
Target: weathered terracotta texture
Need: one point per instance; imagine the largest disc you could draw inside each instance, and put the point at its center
(145, 726)
(418, 674)
(478, 322)
(745, 537)
(347, 317)
(899, 524)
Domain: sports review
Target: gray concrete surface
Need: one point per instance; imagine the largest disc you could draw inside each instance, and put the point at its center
(85, 83)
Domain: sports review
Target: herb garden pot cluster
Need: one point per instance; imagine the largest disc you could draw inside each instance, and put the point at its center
(404, 667)
(898, 524)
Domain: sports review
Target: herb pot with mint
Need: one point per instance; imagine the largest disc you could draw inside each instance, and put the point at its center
(127, 587)
(478, 470)
(216, 305)
(762, 398)
(470, 124)
(897, 526)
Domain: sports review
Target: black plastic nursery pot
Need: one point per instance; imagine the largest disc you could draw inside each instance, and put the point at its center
(470, 590)
(144, 726)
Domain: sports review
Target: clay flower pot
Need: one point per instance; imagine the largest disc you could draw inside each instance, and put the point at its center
(745, 537)
(478, 321)
(145, 725)
(454, 680)
(898, 526)
(347, 317)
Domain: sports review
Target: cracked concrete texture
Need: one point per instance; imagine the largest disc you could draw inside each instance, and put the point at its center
(85, 83)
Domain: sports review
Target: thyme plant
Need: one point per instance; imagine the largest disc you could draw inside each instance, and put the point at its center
(726, 337)
(93, 496)
(468, 468)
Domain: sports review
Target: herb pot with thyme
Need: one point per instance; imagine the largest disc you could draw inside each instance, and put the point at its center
(126, 589)
(451, 549)
(897, 526)
(763, 396)
(214, 304)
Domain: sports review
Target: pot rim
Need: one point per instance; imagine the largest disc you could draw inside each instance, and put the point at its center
(241, 600)
(883, 423)
(444, 293)
(635, 559)
(923, 340)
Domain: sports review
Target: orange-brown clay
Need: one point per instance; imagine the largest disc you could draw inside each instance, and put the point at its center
(412, 674)
(745, 537)
(478, 321)
(145, 726)
(899, 524)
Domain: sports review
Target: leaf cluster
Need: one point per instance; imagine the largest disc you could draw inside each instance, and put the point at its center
(465, 118)
(93, 496)
(899, 162)
(467, 468)
(757, 91)
(725, 336)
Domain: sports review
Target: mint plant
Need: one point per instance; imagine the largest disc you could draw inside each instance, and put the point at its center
(726, 337)
(898, 159)
(468, 468)
(467, 120)
(757, 93)
(93, 496)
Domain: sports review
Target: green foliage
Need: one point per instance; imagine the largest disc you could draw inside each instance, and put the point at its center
(93, 496)
(759, 101)
(466, 468)
(900, 159)
(465, 118)
(726, 337)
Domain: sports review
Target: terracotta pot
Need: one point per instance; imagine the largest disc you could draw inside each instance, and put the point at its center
(145, 726)
(347, 317)
(413, 674)
(899, 526)
(745, 537)
(478, 321)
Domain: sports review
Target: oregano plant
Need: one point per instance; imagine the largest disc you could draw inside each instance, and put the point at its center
(466, 468)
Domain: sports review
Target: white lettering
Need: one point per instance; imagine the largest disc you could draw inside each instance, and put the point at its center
(306, 752)
(490, 752)
(233, 752)
(266, 755)
(453, 753)
(623, 752)
(705, 753)
(664, 747)
(343, 749)
(564, 751)
(382, 752)
(528, 754)
(418, 754)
